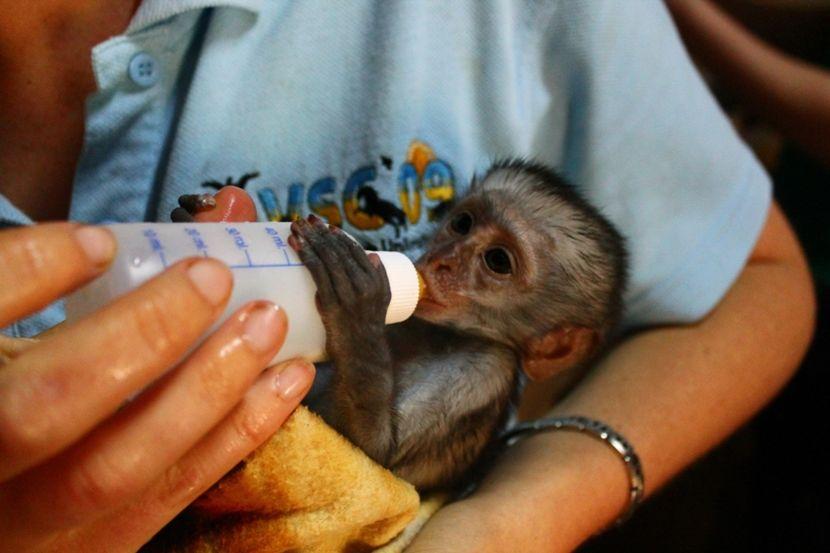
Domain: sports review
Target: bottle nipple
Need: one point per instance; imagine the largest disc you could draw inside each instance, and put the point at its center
(422, 286)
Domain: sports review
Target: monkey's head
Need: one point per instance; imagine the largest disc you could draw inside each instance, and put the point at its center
(524, 260)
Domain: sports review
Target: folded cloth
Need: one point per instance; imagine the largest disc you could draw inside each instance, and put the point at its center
(307, 489)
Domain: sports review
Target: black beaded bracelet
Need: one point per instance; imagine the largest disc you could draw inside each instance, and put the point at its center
(600, 431)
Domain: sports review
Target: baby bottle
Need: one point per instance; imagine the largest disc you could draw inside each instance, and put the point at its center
(264, 267)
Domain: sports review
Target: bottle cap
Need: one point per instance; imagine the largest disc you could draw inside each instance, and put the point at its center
(404, 285)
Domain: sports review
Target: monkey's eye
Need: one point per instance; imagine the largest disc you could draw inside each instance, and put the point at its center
(498, 261)
(462, 223)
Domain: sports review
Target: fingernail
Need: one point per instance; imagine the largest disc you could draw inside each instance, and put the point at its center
(263, 327)
(212, 279)
(294, 380)
(97, 243)
(205, 201)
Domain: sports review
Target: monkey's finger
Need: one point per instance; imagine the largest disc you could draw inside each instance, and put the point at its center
(367, 281)
(59, 389)
(181, 215)
(40, 263)
(261, 412)
(113, 463)
(193, 203)
(357, 253)
(315, 266)
(339, 243)
(321, 241)
(381, 277)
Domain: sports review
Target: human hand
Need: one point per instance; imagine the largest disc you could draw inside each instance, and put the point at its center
(231, 203)
(107, 429)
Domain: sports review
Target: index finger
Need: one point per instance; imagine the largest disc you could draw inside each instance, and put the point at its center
(41, 263)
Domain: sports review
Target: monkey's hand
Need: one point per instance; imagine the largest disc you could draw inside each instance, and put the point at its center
(352, 296)
(352, 288)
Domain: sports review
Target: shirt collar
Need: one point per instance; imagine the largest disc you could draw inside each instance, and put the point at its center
(151, 12)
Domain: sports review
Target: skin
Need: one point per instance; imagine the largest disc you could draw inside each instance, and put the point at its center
(42, 104)
(551, 492)
(791, 94)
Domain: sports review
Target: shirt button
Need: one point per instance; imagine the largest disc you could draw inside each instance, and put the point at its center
(144, 70)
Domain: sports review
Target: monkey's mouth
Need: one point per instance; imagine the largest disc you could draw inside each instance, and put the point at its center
(428, 303)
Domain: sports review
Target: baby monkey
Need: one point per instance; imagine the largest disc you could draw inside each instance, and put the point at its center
(523, 276)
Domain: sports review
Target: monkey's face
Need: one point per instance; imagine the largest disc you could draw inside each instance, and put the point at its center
(525, 261)
(479, 265)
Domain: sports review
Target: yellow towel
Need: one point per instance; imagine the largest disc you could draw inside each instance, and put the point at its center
(305, 490)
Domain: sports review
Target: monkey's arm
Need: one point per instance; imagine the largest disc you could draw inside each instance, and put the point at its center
(674, 392)
(352, 297)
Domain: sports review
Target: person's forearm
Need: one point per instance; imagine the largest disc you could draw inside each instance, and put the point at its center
(792, 95)
(673, 392)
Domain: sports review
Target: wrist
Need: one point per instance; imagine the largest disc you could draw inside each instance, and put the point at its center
(563, 486)
(598, 430)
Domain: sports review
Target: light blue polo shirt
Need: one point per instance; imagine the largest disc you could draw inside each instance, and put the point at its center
(376, 114)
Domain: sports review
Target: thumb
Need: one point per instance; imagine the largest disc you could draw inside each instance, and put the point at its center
(233, 204)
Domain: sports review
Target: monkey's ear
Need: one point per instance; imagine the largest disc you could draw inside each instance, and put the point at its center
(559, 349)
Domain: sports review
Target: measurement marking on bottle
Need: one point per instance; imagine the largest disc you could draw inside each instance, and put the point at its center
(202, 247)
(238, 239)
(156, 245)
(198, 241)
(280, 244)
(266, 266)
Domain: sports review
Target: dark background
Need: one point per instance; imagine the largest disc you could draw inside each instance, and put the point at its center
(765, 488)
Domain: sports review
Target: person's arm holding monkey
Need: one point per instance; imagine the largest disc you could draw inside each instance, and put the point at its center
(674, 392)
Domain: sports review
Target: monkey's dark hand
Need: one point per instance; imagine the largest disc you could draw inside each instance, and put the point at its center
(352, 296)
(352, 288)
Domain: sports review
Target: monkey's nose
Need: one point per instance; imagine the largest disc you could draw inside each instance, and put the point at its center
(441, 266)
(443, 259)
(446, 264)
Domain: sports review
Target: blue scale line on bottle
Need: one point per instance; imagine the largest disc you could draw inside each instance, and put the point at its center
(202, 248)
(198, 241)
(156, 245)
(241, 244)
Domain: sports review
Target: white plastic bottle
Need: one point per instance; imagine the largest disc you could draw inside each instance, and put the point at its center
(264, 267)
